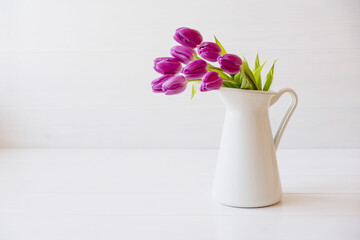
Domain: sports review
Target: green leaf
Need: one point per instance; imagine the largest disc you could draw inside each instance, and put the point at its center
(249, 74)
(230, 85)
(226, 84)
(243, 58)
(237, 78)
(222, 48)
(245, 81)
(194, 88)
(257, 62)
(257, 75)
(193, 91)
(269, 77)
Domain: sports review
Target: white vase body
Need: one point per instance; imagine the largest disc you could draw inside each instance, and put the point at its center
(247, 173)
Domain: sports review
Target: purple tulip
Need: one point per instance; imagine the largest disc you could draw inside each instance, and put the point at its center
(188, 37)
(157, 83)
(183, 54)
(167, 65)
(174, 85)
(209, 51)
(211, 81)
(230, 63)
(195, 69)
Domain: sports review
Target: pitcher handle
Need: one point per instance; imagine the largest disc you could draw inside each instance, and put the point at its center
(289, 112)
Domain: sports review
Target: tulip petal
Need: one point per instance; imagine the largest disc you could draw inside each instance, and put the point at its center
(230, 63)
(195, 69)
(174, 85)
(211, 81)
(188, 37)
(156, 84)
(167, 65)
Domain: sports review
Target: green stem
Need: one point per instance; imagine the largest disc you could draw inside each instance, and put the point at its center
(194, 80)
(216, 68)
(196, 57)
(219, 70)
(211, 66)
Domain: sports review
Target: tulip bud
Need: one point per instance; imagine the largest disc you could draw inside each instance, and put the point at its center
(167, 65)
(188, 37)
(209, 51)
(230, 63)
(174, 85)
(195, 69)
(211, 81)
(157, 83)
(182, 54)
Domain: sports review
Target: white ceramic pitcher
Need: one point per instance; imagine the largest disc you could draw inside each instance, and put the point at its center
(247, 173)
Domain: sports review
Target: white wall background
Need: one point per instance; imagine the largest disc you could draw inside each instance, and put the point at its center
(77, 73)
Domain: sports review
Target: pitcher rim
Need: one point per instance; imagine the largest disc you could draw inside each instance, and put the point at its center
(247, 91)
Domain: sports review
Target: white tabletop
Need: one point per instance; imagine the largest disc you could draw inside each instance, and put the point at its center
(166, 194)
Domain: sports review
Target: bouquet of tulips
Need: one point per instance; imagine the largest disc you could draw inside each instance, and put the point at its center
(233, 71)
